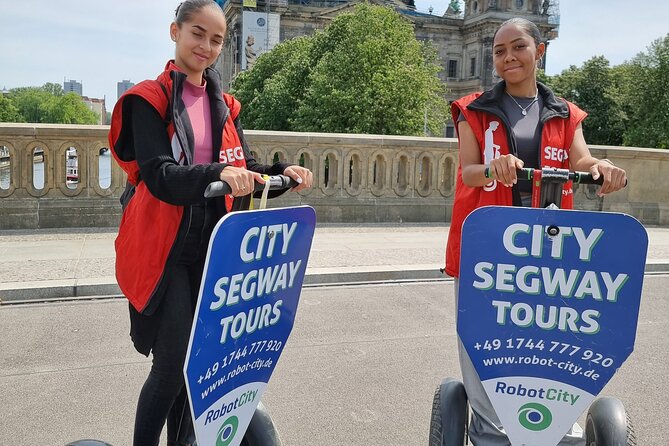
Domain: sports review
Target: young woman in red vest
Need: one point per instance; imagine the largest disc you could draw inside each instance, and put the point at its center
(173, 136)
(518, 123)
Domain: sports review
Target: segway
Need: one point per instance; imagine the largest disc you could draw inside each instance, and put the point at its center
(543, 294)
(247, 302)
(261, 432)
(248, 299)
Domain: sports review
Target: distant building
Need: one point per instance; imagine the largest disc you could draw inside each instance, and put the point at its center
(122, 87)
(463, 40)
(97, 106)
(72, 86)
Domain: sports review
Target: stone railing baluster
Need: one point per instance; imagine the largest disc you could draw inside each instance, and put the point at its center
(357, 178)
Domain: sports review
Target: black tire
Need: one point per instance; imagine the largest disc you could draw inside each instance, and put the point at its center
(88, 443)
(261, 430)
(450, 414)
(608, 424)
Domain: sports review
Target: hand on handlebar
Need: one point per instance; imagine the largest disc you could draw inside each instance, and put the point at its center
(503, 169)
(614, 177)
(301, 175)
(241, 181)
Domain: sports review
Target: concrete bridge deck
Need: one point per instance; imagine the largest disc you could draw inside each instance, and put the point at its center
(359, 369)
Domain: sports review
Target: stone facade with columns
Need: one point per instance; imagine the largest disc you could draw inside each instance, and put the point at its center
(357, 178)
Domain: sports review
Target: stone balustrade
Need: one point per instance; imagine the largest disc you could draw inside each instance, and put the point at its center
(357, 178)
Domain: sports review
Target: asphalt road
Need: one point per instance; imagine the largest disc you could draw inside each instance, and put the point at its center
(360, 368)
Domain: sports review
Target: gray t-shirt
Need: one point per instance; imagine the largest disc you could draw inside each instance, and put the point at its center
(525, 129)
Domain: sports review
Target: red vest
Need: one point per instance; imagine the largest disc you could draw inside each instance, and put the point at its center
(493, 139)
(149, 226)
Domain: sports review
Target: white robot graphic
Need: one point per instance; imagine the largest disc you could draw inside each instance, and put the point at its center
(490, 152)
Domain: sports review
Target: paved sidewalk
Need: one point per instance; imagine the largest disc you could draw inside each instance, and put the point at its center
(51, 264)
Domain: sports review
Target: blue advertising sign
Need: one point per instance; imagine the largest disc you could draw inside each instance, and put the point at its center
(547, 311)
(245, 312)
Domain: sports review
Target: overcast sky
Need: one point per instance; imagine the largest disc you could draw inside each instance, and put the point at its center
(100, 43)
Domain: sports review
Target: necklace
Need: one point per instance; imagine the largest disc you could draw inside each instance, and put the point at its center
(523, 110)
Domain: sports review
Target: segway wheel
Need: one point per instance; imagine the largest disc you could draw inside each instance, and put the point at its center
(261, 430)
(88, 443)
(608, 424)
(450, 414)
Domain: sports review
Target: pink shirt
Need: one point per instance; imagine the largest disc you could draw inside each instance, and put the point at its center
(199, 112)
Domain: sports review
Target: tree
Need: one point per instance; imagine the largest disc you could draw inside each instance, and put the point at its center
(365, 73)
(30, 102)
(54, 89)
(68, 109)
(271, 91)
(646, 96)
(8, 111)
(49, 104)
(592, 88)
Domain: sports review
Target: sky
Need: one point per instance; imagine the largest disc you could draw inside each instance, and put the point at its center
(101, 43)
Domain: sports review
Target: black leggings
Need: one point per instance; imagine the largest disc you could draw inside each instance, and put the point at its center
(163, 396)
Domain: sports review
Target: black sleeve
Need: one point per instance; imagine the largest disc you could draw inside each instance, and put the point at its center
(164, 177)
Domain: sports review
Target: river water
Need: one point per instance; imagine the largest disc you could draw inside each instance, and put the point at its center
(38, 169)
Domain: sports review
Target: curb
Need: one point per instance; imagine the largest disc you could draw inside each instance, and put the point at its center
(73, 289)
(91, 288)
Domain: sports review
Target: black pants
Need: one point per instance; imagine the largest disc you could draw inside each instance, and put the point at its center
(163, 398)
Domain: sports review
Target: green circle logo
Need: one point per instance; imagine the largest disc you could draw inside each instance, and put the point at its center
(535, 416)
(227, 431)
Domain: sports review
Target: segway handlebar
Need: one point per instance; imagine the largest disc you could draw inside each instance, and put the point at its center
(560, 174)
(219, 188)
(555, 174)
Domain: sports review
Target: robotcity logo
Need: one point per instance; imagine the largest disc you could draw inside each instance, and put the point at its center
(227, 431)
(534, 417)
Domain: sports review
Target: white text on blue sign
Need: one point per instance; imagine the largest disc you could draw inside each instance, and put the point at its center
(523, 240)
(263, 242)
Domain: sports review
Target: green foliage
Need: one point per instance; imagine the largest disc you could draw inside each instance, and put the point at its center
(30, 102)
(591, 87)
(365, 73)
(647, 79)
(54, 89)
(627, 104)
(49, 104)
(8, 111)
(69, 109)
(271, 91)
